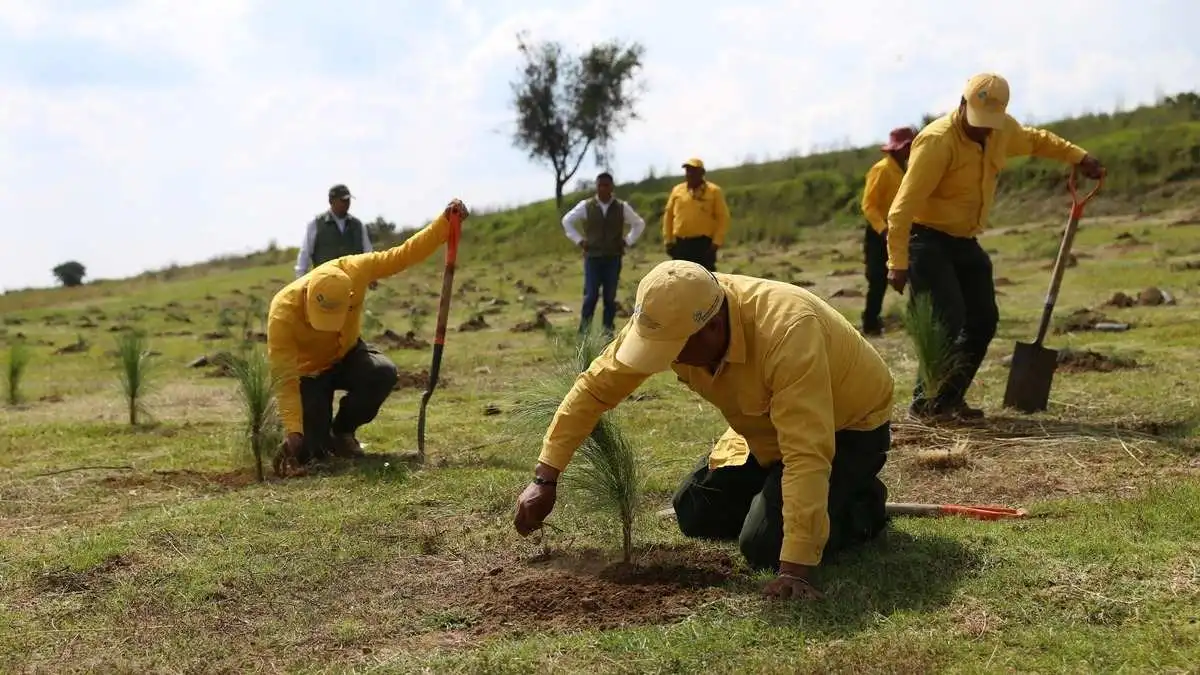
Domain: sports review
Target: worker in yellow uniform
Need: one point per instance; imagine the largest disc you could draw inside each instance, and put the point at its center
(696, 218)
(795, 477)
(940, 209)
(315, 348)
(883, 180)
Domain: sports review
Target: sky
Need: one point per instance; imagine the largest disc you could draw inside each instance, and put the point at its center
(139, 133)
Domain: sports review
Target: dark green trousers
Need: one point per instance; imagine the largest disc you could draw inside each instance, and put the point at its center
(745, 503)
(366, 375)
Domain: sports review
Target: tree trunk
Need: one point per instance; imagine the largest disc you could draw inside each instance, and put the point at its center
(558, 195)
(133, 411)
(627, 539)
(256, 445)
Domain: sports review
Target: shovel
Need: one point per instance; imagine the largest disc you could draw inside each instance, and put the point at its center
(982, 512)
(1032, 368)
(439, 340)
(978, 512)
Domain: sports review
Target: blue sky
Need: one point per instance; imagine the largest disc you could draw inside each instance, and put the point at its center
(137, 133)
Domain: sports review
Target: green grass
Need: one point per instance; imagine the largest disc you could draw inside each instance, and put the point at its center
(154, 548)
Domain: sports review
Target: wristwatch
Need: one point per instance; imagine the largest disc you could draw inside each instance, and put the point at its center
(538, 480)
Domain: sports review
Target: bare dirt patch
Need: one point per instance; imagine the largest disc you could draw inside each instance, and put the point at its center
(580, 590)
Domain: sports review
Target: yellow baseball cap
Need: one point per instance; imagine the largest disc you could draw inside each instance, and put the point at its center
(695, 163)
(674, 301)
(330, 292)
(987, 101)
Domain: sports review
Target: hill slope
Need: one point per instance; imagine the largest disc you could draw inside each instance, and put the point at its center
(1153, 155)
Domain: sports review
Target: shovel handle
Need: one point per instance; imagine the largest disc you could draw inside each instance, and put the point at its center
(1077, 203)
(1064, 250)
(977, 512)
(452, 239)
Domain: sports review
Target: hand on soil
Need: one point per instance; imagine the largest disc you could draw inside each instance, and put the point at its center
(784, 588)
(534, 504)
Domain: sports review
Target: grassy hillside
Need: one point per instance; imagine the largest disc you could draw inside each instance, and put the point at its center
(152, 548)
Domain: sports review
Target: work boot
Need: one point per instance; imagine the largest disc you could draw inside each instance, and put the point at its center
(286, 465)
(346, 446)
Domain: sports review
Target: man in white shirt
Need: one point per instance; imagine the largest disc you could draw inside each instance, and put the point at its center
(332, 234)
(603, 241)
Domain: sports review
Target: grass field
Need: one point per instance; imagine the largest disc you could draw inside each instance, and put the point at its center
(153, 548)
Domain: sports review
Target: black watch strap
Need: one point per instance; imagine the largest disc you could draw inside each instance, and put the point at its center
(538, 480)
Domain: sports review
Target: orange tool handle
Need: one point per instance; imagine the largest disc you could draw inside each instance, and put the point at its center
(1076, 202)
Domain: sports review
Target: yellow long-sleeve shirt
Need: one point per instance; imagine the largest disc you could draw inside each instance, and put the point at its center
(295, 348)
(795, 372)
(883, 182)
(696, 213)
(950, 183)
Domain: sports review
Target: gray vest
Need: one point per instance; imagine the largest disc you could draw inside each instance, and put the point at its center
(604, 233)
(330, 243)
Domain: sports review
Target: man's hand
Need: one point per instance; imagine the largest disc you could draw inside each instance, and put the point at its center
(667, 246)
(373, 285)
(1092, 168)
(582, 246)
(898, 279)
(536, 501)
(295, 443)
(286, 463)
(715, 248)
(792, 584)
(457, 204)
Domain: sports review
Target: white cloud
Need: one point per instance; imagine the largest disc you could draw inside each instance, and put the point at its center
(265, 116)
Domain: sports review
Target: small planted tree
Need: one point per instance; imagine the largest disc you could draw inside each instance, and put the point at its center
(937, 358)
(133, 371)
(605, 472)
(18, 358)
(256, 386)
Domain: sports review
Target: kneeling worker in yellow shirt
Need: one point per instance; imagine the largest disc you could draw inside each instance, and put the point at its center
(808, 402)
(315, 348)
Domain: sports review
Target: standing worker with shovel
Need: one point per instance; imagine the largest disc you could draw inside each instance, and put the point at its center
(315, 347)
(942, 206)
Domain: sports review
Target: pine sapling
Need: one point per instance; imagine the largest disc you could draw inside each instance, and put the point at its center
(606, 471)
(18, 358)
(937, 358)
(133, 371)
(256, 386)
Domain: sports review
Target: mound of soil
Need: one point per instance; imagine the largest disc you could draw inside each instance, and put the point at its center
(417, 379)
(1079, 361)
(539, 322)
(661, 587)
(390, 339)
(473, 324)
(1088, 320)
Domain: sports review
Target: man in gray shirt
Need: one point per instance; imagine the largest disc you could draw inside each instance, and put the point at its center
(333, 234)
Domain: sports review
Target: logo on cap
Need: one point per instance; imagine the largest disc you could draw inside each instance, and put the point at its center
(982, 95)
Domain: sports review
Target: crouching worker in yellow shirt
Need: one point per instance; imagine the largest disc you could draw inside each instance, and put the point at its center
(807, 398)
(315, 348)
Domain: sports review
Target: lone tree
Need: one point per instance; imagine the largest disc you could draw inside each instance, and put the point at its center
(567, 105)
(70, 273)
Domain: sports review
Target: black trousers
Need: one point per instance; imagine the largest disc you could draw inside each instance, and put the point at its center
(366, 375)
(695, 249)
(746, 502)
(875, 261)
(957, 274)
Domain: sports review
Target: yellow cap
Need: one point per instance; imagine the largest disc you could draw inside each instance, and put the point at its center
(330, 292)
(695, 163)
(674, 301)
(987, 101)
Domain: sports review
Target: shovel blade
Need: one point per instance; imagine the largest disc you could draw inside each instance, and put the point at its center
(1029, 377)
